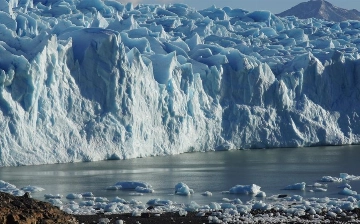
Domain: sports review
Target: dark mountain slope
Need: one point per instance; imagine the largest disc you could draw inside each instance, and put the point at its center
(321, 9)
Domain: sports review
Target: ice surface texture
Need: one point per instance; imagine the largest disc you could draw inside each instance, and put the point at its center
(94, 80)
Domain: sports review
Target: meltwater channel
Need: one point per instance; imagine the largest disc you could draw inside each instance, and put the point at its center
(271, 169)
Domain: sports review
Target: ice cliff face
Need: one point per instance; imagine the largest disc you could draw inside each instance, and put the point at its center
(92, 80)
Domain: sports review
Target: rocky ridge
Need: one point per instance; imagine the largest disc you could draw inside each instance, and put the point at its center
(321, 9)
(25, 210)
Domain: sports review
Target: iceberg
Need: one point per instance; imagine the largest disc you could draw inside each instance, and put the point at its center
(99, 80)
(297, 186)
(246, 189)
(183, 189)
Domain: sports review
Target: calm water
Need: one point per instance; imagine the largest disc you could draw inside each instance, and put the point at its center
(272, 169)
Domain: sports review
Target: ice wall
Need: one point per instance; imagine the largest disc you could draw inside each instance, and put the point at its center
(95, 80)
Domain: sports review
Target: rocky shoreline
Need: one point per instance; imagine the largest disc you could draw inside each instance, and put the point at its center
(25, 210)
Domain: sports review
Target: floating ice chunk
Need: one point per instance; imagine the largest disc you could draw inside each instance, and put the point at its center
(206, 193)
(183, 189)
(32, 189)
(261, 194)
(237, 201)
(296, 198)
(136, 213)
(101, 199)
(67, 210)
(227, 206)
(6, 187)
(17, 192)
(132, 184)
(74, 207)
(99, 205)
(182, 212)
(323, 200)
(311, 211)
(259, 205)
(319, 189)
(87, 194)
(215, 206)
(55, 201)
(347, 191)
(144, 190)
(158, 201)
(346, 176)
(351, 199)
(120, 200)
(348, 206)
(74, 196)
(330, 179)
(299, 212)
(318, 185)
(337, 210)
(87, 203)
(111, 207)
(298, 186)
(214, 219)
(192, 207)
(244, 209)
(115, 187)
(245, 189)
(345, 185)
(104, 221)
(135, 202)
(51, 196)
(331, 214)
(136, 194)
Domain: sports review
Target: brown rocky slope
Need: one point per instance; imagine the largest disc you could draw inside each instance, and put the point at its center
(25, 210)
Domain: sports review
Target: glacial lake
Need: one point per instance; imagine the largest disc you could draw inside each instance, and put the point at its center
(271, 169)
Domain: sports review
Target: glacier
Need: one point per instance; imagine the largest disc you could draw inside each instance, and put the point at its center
(89, 80)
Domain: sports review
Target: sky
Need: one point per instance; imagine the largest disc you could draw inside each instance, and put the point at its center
(275, 6)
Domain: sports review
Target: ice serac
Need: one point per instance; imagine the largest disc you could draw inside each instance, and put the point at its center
(97, 80)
